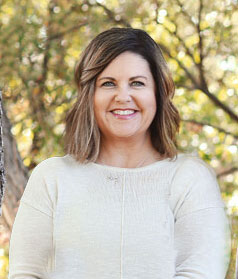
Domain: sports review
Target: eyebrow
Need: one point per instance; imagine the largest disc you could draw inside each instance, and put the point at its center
(111, 78)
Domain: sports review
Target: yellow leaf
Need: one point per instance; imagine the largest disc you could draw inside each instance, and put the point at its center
(27, 162)
(204, 24)
(196, 57)
(16, 129)
(169, 25)
(192, 40)
(222, 95)
(36, 91)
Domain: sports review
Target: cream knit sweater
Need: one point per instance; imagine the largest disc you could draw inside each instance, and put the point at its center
(162, 221)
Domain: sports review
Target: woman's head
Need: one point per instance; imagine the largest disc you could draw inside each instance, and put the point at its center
(82, 135)
(124, 100)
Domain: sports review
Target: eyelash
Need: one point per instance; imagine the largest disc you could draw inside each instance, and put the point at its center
(141, 83)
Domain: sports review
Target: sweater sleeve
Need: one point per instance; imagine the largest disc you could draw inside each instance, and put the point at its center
(202, 229)
(31, 243)
(202, 242)
(41, 191)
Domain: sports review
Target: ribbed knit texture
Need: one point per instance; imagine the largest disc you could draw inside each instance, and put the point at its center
(162, 221)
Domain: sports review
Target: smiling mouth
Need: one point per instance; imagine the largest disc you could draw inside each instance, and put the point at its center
(123, 112)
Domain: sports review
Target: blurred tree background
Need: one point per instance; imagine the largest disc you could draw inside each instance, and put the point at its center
(40, 41)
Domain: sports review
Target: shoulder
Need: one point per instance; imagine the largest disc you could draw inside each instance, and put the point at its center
(193, 176)
(194, 186)
(55, 165)
(46, 177)
(191, 166)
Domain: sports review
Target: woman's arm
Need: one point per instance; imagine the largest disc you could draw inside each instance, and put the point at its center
(202, 242)
(31, 244)
(202, 228)
(31, 251)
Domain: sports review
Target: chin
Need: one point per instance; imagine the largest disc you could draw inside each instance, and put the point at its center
(125, 134)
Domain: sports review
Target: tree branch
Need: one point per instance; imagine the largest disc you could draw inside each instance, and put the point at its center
(226, 172)
(69, 30)
(218, 103)
(190, 76)
(183, 11)
(202, 87)
(111, 15)
(174, 33)
(180, 85)
(213, 126)
(200, 46)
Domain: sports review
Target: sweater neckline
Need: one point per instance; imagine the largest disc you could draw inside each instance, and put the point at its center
(137, 169)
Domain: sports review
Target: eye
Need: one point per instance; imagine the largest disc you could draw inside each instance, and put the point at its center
(138, 83)
(108, 83)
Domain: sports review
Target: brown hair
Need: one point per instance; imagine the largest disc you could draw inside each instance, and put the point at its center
(82, 135)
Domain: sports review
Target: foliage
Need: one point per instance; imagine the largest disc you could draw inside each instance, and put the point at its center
(40, 41)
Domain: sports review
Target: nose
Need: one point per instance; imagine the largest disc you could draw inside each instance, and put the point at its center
(123, 95)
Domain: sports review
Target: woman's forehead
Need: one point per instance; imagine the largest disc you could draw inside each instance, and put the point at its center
(127, 64)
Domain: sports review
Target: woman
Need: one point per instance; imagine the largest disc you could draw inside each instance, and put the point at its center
(121, 203)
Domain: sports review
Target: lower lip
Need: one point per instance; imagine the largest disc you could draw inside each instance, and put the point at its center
(125, 117)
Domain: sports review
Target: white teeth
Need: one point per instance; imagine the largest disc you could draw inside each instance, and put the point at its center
(123, 112)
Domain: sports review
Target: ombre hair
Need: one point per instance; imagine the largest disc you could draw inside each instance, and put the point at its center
(82, 135)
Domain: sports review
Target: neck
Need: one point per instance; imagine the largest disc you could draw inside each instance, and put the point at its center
(128, 153)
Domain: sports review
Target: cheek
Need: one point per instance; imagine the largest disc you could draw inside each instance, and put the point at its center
(98, 104)
(96, 101)
(150, 104)
(101, 99)
(153, 102)
(151, 108)
(100, 107)
(96, 107)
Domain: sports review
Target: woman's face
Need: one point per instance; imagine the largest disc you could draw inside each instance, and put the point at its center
(124, 99)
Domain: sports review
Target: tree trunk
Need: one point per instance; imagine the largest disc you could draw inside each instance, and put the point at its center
(16, 178)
